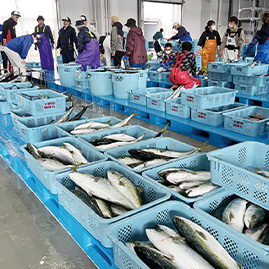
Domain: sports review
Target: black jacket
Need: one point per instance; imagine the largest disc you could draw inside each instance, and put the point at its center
(84, 37)
(67, 38)
(263, 34)
(8, 30)
(46, 31)
(208, 35)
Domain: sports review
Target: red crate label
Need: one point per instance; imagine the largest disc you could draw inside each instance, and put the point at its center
(49, 105)
(23, 131)
(175, 108)
(136, 97)
(190, 99)
(201, 115)
(154, 102)
(238, 124)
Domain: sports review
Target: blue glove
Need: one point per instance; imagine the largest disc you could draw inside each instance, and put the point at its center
(169, 62)
(196, 76)
(52, 45)
(125, 58)
(251, 45)
(165, 66)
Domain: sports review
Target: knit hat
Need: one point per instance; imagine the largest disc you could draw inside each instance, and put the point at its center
(131, 23)
(114, 18)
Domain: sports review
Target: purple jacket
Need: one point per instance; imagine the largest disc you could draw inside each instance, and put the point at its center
(136, 47)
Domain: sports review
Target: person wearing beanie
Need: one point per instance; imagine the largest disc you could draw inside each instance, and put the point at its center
(67, 39)
(136, 51)
(16, 50)
(88, 47)
(117, 41)
(8, 33)
(41, 28)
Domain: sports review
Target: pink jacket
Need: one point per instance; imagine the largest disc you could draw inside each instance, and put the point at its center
(136, 47)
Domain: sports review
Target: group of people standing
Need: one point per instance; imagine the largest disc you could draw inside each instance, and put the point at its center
(210, 44)
(83, 46)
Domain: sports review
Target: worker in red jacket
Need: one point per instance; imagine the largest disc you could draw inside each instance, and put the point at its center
(9, 32)
(136, 51)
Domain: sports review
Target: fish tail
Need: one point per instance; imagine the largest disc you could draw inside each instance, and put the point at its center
(203, 146)
(134, 114)
(164, 130)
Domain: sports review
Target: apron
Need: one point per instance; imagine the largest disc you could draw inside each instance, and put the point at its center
(208, 53)
(263, 52)
(230, 52)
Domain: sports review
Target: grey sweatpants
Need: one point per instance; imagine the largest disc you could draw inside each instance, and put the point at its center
(16, 61)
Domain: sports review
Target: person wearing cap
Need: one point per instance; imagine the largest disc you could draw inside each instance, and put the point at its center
(17, 50)
(136, 51)
(88, 47)
(8, 33)
(117, 40)
(182, 34)
(67, 39)
(90, 27)
(41, 28)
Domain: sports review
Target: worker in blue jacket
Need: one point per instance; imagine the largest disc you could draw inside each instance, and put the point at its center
(182, 34)
(261, 37)
(16, 50)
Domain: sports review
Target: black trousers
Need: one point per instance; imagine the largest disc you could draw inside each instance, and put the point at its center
(157, 46)
(67, 55)
(117, 58)
(5, 59)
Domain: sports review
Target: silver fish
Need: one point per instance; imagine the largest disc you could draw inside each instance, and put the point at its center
(233, 215)
(254, 216)
(125, 186)
(201, 190)
(65, 117)
(101, 188)
(93, 125)
(190, 184)
(52, 165)
(205, 244)
(103, 207)
(78, 157)
(180, 252)
(118, 210)
(256, 232)
(120, 137)
(33, 150)
(130, 161)
(125, 121)
(58, 153)
(150, 163)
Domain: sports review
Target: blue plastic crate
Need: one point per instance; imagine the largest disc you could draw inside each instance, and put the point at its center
(36, 128)
(204, 80)
(97, 226)
(224, 67)
(157, 143)
(220, 76)
(33, 65)
(139, 96)
(133, 228)
(251, 80)
(194, 163)
(65, 128)
(175, 108)
(234, 169)
(45, 176)
(156, 101)
(252, 90)
(235, 121)
(207, 97)
(132, 130)
(207, 116)
(154, 75)
(223, 84)
(250, 70)
(153, 65)
(4, 107)
(165, 76)
(56, 102)
(208, 206)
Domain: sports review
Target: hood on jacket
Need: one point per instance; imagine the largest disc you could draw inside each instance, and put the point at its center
(137, 30)
(119, 28)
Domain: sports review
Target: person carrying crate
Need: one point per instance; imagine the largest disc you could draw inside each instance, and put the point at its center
(262, 39)
(210, 42)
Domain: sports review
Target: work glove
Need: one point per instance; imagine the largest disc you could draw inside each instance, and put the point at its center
(52, 45)
(164, 66)
(169, 62)
(125, 58)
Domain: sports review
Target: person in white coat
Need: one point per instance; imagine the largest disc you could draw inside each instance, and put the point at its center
(107, 49)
